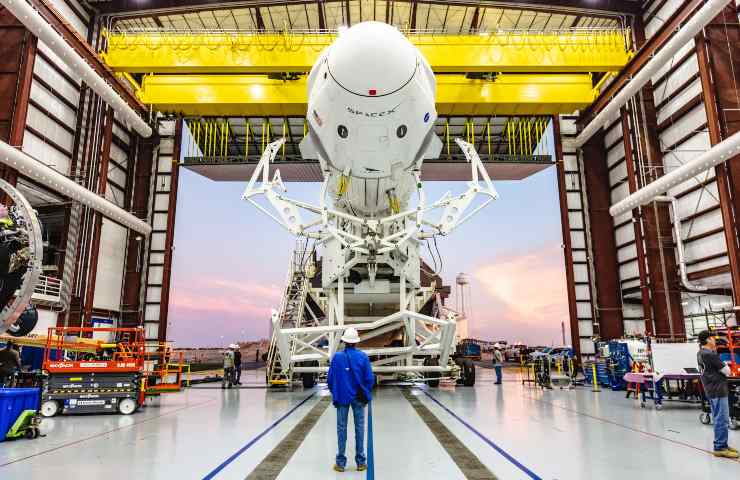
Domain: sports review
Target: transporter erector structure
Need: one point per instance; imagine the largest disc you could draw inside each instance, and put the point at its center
(371, 112)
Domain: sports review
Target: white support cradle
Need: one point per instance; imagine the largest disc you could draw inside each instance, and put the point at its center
(392, 241)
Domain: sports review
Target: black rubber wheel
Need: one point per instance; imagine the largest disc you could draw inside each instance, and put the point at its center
(433, 380)
(308, 379)
(468, 368)
(705, 418)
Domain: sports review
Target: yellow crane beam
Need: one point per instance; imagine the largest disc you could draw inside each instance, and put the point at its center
(255, 95)
(569, 51)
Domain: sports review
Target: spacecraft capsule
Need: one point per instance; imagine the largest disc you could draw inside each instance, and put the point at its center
(371, 114)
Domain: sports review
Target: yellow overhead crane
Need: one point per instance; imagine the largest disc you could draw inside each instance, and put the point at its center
(572, 51)
(251, 95)
(234, 74)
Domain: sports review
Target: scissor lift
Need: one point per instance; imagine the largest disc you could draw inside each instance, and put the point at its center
(83, 375)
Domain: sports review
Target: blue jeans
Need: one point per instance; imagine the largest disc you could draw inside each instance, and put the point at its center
(498, 373)
(358, 412)
(721, 419)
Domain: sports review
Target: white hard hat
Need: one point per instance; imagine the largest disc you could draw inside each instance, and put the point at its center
(350, 336)
(233, 346)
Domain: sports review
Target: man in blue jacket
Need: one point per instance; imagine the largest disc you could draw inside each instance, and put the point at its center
(350, 381)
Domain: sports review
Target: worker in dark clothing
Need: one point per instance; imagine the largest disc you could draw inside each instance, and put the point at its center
(350, 380)
(237, 364)
(10, 362)
(714, 373)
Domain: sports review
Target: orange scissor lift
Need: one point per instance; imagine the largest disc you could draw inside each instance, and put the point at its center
(88, 375)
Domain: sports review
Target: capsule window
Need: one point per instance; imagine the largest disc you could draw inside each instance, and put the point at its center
(401, 131)
(342, 131)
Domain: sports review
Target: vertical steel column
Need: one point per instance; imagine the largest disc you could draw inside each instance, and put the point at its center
(135, 250)
(102, 187)
(16, 77)
(601, 225)
(630, 160)
(719, 61)
(567, 246)
(170, 235)
(665, 287)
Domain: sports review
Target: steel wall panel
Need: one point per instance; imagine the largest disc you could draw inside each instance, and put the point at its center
(42, 151)
(109, 277)
(693, 121)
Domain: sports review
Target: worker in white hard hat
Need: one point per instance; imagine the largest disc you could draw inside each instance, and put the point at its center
(498, 362)
(350, 380)
(228, 378)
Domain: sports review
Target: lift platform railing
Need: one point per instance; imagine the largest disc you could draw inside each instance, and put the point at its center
(161, 365)
(74, 349)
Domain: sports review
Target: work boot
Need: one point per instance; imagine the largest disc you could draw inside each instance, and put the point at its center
(732, 449)
(337, 468)
(726, 453)
(361, 468)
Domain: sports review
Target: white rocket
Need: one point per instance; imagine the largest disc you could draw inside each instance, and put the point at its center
(371, 112)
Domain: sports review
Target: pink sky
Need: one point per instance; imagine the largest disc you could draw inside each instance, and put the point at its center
(230, 264)
(521, 296)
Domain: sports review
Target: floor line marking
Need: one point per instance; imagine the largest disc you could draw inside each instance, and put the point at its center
(249, 444)
(101, 434)
(370, 450)
(617, 424)
(487, 440)
(275, 461)
(465, 460)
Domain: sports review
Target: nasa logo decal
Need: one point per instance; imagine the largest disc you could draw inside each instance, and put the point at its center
(426, 117)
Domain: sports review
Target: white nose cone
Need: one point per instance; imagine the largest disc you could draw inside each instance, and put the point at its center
(370, 116)
(372, 59)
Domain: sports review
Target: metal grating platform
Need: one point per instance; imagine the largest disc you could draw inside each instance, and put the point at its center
(499, 167)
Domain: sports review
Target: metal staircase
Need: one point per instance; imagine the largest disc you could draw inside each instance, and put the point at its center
(291, 313)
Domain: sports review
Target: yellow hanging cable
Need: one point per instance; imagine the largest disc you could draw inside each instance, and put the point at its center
(507, 131)
(206, 140)
(488, 137)
(262, 136)
(226, 140)
(213, 138)
(285, 129)
(246, 141)
(447, 137)
(220, 126)
(520, 132)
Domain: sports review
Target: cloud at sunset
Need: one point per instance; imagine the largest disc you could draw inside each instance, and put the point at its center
(521, 296)
(209, 308)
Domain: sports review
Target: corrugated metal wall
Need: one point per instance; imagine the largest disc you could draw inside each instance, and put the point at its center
(681, 129)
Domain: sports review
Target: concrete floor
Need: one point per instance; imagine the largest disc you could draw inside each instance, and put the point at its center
(517, 432)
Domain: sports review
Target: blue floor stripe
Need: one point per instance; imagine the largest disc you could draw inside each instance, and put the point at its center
(370, 451)
(246, 447)
(490, 442)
